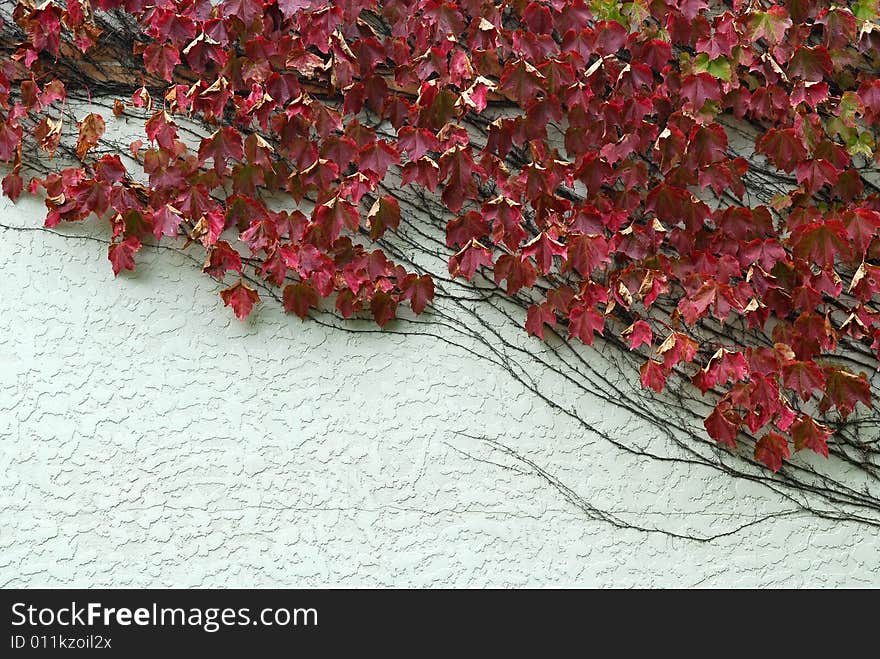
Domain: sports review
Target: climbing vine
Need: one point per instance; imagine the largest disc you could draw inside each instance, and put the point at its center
(694, 182)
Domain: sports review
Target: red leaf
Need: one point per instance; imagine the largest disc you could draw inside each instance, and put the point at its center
(384, 215)
(844, 390)
(299, 298)
(639, 333)
(587, 252)
(583, 321)
(806, 433)
(652, 375)
(723, 425)
(543, 248)
(821, 242)
(121, 255)
(784, 148)
(466, 261)
(221, 259)
(861, 227)
(813, 174)
(811, 64)
(161, 59)
(772, 449)
(418, 290)
(518, 271)
(166, 221)
(91, 129)
(13, 186)
(241, 298)
(537, 316)
(803, 377)
(699, 88)
(384, 307)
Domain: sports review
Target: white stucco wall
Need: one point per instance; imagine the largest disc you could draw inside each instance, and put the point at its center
(147, 438)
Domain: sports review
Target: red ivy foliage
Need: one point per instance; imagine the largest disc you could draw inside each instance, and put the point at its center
(640, 200)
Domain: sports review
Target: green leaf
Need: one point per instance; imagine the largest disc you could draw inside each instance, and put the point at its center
(719, 67)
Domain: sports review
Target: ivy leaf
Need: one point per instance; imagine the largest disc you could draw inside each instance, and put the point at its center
(299, 298)
(770, 25)
(384, 307)
(160, 59)
(806, 433)
(810, 64)
(699, 88)
(419, 290)
(471, 257)
(784, 148)
(537, 316)
(639, 333)
(383, 215)
(717, 68)
(583, 322)
(241, 298)
(121, 254)
(803, 377)
(91, 129)
(821, 242)
(723, 425)
(652, 375)
(166, 221)
(772, 449)
(221, 259)
(844, 390)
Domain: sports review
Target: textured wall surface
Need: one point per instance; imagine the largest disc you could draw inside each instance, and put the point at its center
(150, 439)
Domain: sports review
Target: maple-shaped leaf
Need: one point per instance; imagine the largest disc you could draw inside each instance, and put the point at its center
(378, 157)
(784, 148)
(772, 449)
(723, 424)
(699, 88)
(384, 307)
(220, 259)
(708, 144)
(245, 10)
(166, 221)
(161, 59)
(583, 322)
(121, 255)
(821, 242)
(292, 7)
(13, 186)
(517, 270)
(806, 433)
(543, 248)
(241, 298)
(813, 174)
(770, 25)
(843, 390)
(810, 64)
(521, 81)
(383, 215)
(677, 348)
(419, 290)
(538, 315)
(10, 139)
(224, 144)
(639, 333)
(468, 259)
(91, 129)
(862, 225)
(803, 377)
(586, 252)
(653, 375)
(299, 298)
